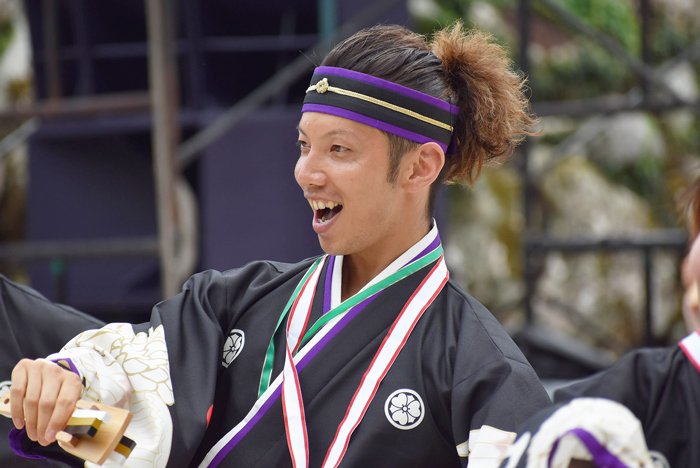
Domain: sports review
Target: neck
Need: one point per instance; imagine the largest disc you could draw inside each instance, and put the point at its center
(361, 267)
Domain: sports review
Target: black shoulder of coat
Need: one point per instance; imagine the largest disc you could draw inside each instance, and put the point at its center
(246, 284)
(11, 289)
(482, 322)
(639, 380)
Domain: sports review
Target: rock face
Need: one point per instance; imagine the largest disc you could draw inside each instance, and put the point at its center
(583, 202)
(610, 174)
(595, 297)
(626, 137)
(483, 248)
(606, 289)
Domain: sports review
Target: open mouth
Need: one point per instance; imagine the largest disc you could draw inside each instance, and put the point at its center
(325, 210)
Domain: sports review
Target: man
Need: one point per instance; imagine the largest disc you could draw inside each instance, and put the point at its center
(368, 355)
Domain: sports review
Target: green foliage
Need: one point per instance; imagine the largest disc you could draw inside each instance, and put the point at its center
(647, 177)
(666, 39)
(6, 33)
(615, 18)
(448, 11)
(590, 71)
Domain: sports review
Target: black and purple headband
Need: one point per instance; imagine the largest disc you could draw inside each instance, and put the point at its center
(381, 104)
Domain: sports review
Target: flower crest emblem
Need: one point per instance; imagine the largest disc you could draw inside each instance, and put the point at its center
(233, 346)
(404, 409)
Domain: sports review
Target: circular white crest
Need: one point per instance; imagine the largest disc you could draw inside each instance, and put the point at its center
(233, 346)
(404, 409)
(5, 386)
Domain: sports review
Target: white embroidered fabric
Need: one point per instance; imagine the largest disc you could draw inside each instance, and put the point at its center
(129, 371)
(488, 446)
(612, 425)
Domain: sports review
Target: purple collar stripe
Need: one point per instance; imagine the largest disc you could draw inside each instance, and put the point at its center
(327, 288)
(372, 122)
(601, 455)
(433, 245)
(277, 392)
(369, 79)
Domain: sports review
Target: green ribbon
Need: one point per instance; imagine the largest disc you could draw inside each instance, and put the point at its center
(343, 307)
(270, 355)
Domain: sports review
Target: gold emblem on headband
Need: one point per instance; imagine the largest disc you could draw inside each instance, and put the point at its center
(322, 86)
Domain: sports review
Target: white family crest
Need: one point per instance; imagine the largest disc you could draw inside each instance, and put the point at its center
(233, 346)
(404, 409)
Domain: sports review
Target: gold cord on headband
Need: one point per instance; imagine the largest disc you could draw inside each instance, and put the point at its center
(322, 86)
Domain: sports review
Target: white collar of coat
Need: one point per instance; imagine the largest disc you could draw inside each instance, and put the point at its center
(396, 265)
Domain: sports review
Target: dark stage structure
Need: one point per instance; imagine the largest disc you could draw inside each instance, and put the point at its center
(94, 209)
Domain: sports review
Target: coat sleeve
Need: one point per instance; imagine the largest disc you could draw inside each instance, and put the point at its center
(129, 366)
(630, 381)
(165, 371)
(31, 327)
(494, 389)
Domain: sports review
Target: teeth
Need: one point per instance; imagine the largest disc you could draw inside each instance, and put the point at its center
(320, 205)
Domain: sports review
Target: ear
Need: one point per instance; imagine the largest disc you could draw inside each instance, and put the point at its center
(422, 166)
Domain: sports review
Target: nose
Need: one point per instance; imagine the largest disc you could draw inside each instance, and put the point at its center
(309, 171)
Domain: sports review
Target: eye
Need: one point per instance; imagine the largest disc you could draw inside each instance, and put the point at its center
(338, 148)
(304, 146)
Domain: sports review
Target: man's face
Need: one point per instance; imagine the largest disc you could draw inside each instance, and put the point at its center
(343, 169)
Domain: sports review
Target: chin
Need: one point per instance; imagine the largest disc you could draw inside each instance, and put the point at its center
(332, 248)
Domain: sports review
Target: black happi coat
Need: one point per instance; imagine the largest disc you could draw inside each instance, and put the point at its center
(662, 388)
(460, 361)
(466, 370)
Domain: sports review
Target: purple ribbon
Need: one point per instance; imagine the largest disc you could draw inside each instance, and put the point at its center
(601, 456)
(327, 290)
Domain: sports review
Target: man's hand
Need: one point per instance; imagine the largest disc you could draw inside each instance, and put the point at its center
(43, 398)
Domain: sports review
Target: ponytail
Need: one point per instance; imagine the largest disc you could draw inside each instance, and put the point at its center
(494, 113)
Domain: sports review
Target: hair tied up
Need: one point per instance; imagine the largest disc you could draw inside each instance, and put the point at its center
(494, 114)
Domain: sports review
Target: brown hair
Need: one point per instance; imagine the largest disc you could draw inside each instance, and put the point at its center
(689, 208)
(466, 69)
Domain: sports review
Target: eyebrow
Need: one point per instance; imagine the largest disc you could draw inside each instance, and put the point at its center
(340, 131)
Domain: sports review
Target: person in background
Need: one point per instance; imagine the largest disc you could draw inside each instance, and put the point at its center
(689, 205)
